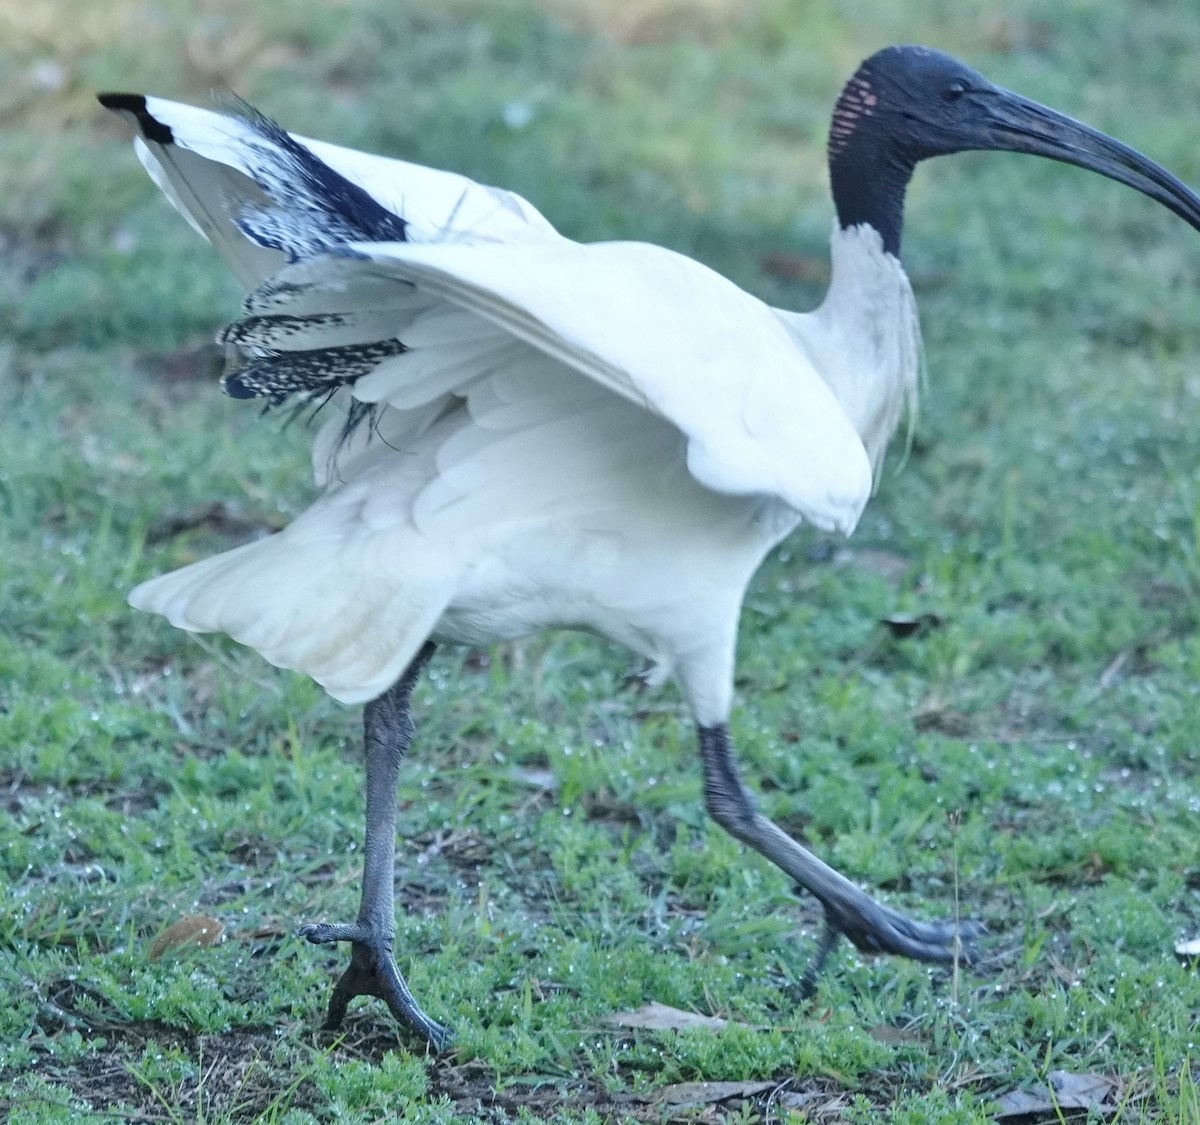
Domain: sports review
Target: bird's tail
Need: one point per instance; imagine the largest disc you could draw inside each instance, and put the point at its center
(315, 598)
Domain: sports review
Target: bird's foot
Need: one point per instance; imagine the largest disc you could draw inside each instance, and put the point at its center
(372, 972)
(875, 929)
(882, 930)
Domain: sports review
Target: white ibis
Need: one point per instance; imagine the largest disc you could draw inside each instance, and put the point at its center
(534, 433)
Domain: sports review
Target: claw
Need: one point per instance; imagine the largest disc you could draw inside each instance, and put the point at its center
(372, 972)
(876, 929)
(891, 932)
(830, 936)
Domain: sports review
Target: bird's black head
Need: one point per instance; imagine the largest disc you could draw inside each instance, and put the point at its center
(906, 104)
(914, 101)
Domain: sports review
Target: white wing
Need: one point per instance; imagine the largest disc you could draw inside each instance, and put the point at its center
(669, 334)
(647, 324)
(526, 498)
(203, 161)
(563, 433)
(650, 325)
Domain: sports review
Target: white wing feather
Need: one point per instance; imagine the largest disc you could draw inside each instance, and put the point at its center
(653, 326)
(673, 336)
(325, 595)
(209, 164)
(569, 438)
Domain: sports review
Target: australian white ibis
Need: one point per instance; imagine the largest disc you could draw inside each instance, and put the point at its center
(535, 433)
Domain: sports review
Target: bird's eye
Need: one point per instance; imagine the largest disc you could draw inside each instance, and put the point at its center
(955, 90)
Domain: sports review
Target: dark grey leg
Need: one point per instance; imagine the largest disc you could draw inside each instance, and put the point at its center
(388, 731)
(848, 910)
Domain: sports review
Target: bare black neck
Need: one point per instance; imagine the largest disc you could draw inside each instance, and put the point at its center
(869, 169)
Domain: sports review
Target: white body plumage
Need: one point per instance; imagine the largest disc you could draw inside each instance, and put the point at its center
(609, 437)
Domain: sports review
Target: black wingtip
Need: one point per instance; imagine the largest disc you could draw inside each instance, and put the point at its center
(136, 103)
(152, 129)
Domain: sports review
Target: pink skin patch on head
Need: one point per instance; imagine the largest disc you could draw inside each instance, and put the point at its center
(856, 101)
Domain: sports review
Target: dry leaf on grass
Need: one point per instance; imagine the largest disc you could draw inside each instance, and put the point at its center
(192, 929)
(691, 1095)
(662, 1017)
(1063, 1092)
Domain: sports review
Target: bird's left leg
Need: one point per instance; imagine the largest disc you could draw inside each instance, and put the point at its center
(848, 909)
(388, 731)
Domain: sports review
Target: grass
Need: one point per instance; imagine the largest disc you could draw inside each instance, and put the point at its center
(1031, 760)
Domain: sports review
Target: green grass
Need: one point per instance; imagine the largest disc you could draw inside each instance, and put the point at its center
(1032, 761)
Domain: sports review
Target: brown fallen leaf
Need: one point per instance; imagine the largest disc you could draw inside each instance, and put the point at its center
(662, 1017)
(691, 1095)
(192, 929)
(1063, 1091)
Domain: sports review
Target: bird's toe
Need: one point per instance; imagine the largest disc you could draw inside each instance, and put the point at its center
(373, 972)
(878, 929)
(325, 933)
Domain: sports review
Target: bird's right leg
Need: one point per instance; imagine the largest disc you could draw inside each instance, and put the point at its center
(388, 731)
(848, 909)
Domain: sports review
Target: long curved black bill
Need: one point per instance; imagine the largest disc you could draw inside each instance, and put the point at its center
(1020, 125)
